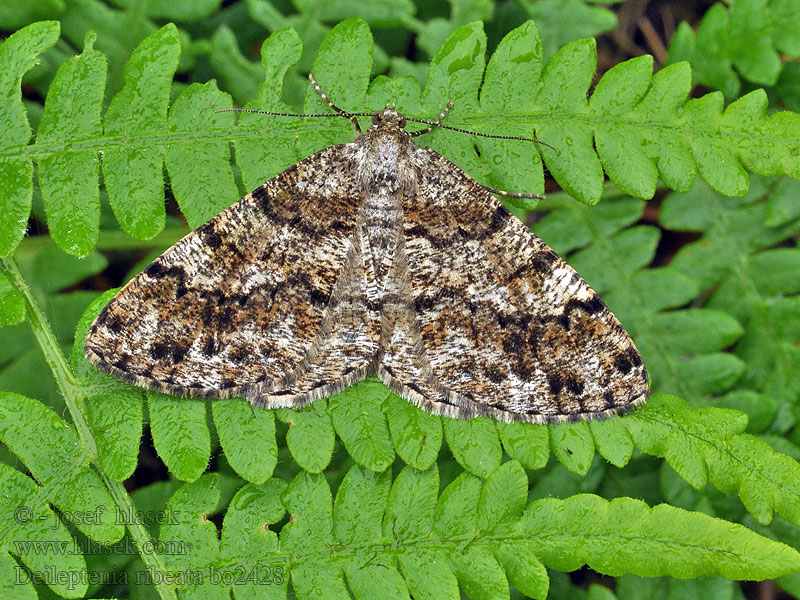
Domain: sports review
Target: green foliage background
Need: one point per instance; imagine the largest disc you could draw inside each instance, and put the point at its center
(363, 495)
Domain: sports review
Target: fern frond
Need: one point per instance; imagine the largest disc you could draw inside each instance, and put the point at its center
(638, 126)
(36, 528)
(709, 445)
(744, 40)
(57, 462)
(18, 54)
(114, 409)
(586, 19)
(401, 536)
(755, 282)
(389, 539)
(61, 476)
(682, 348)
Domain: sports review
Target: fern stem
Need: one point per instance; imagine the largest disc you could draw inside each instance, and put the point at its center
(144, 544)
(67, 383)
(74, 394)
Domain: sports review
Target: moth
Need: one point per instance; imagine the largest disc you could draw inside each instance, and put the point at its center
(378, 257)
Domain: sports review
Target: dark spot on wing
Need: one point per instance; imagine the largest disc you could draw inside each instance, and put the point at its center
(178, 274)
(318, 297)
(623, 363)
(210, 346)
(590, 307)
(155, 270)
(520, 272)
(281, 393)
(374, 306)
(261, 197)
(110, 321)
(520, 362)
(212, 239)
(595, 305)
(556, 383)
(239, 354)
(416, 388)
(340, 225)
(574, 385)
(168, 351)
(499, 219)
(494, 374)
(424, 303)
(543, 261)
(178, 353)
(226, 318)
(159, 350)
(634, 357)
(208, 315)
(420, 231)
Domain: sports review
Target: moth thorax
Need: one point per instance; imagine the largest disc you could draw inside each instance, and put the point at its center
(386, 158)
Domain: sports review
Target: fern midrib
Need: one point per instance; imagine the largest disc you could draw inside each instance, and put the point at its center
(619, 122)
(165, 138)
(68, 384)
(454, 546)
(138, 141)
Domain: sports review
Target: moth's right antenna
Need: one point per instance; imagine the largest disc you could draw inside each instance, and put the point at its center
(438, 123)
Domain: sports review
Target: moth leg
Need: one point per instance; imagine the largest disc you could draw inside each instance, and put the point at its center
(435, 123)
(332, 105)
(512, 194)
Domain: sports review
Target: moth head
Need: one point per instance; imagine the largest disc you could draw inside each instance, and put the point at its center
(389, 116)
